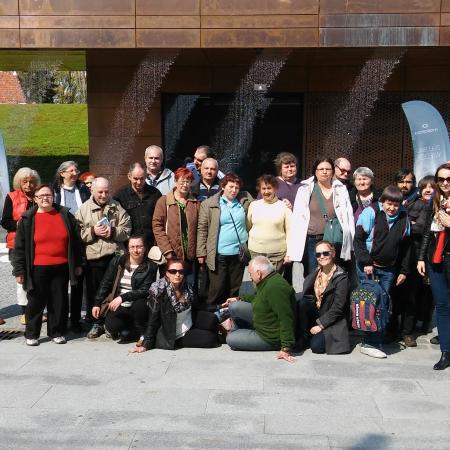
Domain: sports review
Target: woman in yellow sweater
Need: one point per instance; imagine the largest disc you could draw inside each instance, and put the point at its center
(269, 223)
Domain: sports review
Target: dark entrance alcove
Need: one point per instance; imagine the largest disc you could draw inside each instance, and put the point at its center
(194, 119)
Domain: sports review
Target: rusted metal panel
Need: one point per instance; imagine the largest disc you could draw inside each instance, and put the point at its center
(445, 19)
(9, 7)
(445, 7)
(69, 22)
(376, 37)
(261, 21)
(378, 20)
(77, 38)
(299, 37)
(76, 7)
(168, 38)
(168, 7)
(243, 7)
(9, 38)
(379, 6)
(9, 21)
(167, 21)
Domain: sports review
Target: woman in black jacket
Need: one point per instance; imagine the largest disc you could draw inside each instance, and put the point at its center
(134, 273)
(172, 322)
(324, 307)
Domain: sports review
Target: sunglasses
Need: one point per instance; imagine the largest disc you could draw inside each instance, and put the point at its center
(175, 271)
(442, 180)
(325, 254)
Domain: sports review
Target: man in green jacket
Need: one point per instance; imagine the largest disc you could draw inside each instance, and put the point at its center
(265, 320)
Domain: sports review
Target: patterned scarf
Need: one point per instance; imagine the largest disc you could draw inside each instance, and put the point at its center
(321, 283)
(164, 287)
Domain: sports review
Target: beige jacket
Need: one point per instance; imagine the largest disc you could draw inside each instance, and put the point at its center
(88, 216)
(209, 225)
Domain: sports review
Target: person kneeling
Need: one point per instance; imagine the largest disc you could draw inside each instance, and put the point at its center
(264, 321)
(322, 309)
(128, 278)
(172, 321)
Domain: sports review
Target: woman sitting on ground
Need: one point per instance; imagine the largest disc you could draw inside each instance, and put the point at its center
(172, 321)
(324, 306)
(128, 311)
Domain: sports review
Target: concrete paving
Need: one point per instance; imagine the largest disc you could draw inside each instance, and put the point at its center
(94, 395)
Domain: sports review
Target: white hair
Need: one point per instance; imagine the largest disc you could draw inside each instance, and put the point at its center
(262, 264)
(154, 147)
(363, 172)
(99, 181)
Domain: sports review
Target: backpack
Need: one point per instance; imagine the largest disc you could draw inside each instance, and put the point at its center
(370, 305)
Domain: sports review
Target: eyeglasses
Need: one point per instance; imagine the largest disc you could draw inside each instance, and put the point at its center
(323, 254)
(71, 171)
(175, 271)
(41, 197)
(343, 170)
(324, 169)
(443, 180)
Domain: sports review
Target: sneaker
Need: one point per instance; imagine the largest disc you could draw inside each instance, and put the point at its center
(409, 341)
(23, 319)
(59, 340)
(96, 331)
(374, 352)
(32, 342)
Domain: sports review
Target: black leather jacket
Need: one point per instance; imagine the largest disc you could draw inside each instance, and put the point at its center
(429, 239)
(141, 280)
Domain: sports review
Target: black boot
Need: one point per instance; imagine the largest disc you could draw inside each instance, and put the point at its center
(444, 362)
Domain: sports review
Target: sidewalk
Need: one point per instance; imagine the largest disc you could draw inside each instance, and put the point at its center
(93, 395)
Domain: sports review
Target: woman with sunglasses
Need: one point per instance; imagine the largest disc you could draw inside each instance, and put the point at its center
(434, 259)
(324, 307)
(173, 323)
(47, 254)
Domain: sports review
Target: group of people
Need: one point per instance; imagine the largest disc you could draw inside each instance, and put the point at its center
(161, 261)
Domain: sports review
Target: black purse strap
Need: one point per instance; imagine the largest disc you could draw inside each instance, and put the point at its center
(235, 228)
(321, 200)
(116, 280)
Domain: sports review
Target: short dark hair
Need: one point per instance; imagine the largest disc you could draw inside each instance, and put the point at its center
(42, 186)
(230, 178)
(266, 179)
(321, 160)
(284, 158)
(402, 173)
(392, 193)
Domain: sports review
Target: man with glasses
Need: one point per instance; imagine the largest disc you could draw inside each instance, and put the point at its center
(343, 172)
(105, 227)
(201, 154)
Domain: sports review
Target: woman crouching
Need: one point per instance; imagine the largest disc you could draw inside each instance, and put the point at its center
(324, 306)
(172, 321)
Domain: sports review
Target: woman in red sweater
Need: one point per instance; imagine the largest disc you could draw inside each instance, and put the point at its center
(47, 254)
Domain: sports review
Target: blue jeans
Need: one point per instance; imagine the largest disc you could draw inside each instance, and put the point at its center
(244, 337)
(385, 277)
(309, 257)
(440, 281)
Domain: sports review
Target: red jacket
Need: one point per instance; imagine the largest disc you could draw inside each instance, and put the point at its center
(19, 206)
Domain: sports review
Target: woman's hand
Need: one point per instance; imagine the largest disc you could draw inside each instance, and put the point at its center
(286, 356)
(287, 203)
(137, 350)
(96, 312)
(444, 218)
(421, 267)
(368, 270)
(315, 329)
(400, 279)
(20, 279)
(114, 304)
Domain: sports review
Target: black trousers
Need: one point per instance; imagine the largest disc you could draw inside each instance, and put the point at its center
(76, 299)
(226, 280)
(203, 334)
(50, 289)
(307, 315)
(95, 270)
(128, 318)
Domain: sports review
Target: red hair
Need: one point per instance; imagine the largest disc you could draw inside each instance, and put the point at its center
(182, 172)
(83, 177)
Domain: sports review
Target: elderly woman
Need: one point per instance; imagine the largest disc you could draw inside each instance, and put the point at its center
(324, 307)
(364, 193)
(16, 203)
(221, 231)
(172, 321)
(72, 193)
(175, 220)
(134, 273)
(46, 256)
(322, 210)
(269, 223)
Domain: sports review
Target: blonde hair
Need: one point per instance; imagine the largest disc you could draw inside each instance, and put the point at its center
(25, 172)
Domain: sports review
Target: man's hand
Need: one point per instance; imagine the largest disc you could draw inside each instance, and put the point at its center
(137, 350)
(96, 312)
(368, 270)
(228, 301)
(102, 231)
(286, 356)
(400, 279)
(421, 267)
(315, 329)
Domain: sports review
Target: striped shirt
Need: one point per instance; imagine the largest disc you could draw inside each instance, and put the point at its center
(125, 283)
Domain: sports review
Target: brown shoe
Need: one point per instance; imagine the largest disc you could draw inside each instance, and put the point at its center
(409, 341)
(2, 321)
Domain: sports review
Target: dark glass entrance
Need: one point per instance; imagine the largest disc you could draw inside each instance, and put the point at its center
(192, 120)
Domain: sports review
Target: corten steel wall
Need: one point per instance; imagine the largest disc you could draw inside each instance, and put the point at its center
(324, 76)
(222, 23)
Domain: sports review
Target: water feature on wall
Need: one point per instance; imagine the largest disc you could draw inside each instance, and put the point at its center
(235, 134)
(134, 105)
(357, 107)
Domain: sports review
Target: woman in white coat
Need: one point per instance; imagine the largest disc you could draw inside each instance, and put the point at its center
(320, 203)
